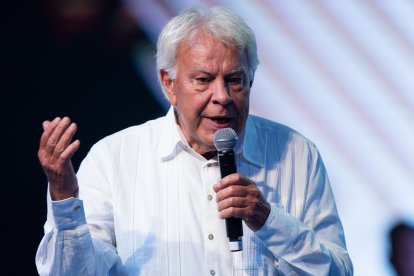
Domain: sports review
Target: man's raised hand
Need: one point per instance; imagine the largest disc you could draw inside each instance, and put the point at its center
(55, 152)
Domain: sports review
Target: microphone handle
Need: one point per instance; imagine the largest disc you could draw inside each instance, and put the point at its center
(234, 226)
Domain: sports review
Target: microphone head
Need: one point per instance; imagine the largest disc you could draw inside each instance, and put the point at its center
(225, 139)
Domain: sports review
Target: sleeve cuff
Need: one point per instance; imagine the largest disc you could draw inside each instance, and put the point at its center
(68, 213)
(279, 231)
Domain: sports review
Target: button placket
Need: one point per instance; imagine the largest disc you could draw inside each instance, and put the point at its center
(209, 179)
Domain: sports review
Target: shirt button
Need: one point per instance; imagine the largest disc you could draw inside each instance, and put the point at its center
(209, 197)
(210, 236)
(277, 263)
(212, 272)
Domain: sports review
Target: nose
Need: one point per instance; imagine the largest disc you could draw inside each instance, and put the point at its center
(221, 93)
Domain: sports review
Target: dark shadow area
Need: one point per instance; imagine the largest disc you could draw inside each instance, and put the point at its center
(401, 239)
(60, 58)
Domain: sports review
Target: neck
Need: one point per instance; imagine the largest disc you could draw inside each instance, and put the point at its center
(209, 155)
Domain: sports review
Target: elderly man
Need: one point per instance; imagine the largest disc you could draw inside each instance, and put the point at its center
(151, 200)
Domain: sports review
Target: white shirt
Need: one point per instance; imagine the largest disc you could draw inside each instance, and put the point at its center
(147, 207)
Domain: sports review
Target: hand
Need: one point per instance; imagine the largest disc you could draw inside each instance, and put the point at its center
(55, 153)
(238, 196)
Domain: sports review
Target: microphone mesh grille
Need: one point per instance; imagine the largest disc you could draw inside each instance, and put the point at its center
(225, 139)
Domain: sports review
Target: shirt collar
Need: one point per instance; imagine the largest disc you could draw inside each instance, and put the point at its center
(171, 140)
(248, 145)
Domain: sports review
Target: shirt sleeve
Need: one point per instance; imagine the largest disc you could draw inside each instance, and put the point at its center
(70, 245)
(310, 242)
(67, 247)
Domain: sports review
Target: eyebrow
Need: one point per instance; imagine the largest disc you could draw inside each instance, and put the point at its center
(232, 72)
(235, 71)
(198, 69)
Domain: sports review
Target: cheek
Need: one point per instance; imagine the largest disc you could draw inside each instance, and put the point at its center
(242, 103)
(191, 111)
(242, 106)
(198, 102)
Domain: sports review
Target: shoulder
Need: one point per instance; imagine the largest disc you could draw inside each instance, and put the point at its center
(266, 124)
(271, 136)
(266, 127)
(131, 136)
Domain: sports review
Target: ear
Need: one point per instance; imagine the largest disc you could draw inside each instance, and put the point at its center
(168, 85)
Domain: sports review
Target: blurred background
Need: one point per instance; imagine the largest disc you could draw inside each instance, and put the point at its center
(341, 74)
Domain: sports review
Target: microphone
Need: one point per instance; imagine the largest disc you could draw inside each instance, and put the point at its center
(225, 141)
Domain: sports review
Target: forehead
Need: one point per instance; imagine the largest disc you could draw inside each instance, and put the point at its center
(203, 50)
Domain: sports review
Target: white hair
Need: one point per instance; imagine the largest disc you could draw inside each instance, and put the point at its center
(218, 21)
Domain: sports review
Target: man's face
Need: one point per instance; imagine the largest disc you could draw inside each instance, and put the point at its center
(211, 90)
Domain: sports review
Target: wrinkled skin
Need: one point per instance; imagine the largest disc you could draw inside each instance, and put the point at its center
(55, 152)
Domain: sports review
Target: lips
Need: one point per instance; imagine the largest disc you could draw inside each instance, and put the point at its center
(220, 122)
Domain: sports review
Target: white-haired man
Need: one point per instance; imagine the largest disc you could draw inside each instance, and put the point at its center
(150, 200)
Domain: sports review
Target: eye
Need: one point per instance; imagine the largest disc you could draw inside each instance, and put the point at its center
(203, 80)
(235, 80)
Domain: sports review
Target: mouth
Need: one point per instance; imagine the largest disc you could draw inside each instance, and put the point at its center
(220, 121)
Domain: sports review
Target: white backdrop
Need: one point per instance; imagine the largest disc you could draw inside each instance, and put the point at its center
(341, 73)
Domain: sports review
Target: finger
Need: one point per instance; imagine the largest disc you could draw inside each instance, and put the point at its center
(50, 127)
(70, 150)
(65, 139)
(232, 191)
(235, 212)
(232, 179)
(253, 220)
(232, 202)
(45, 125)
(56, 135)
